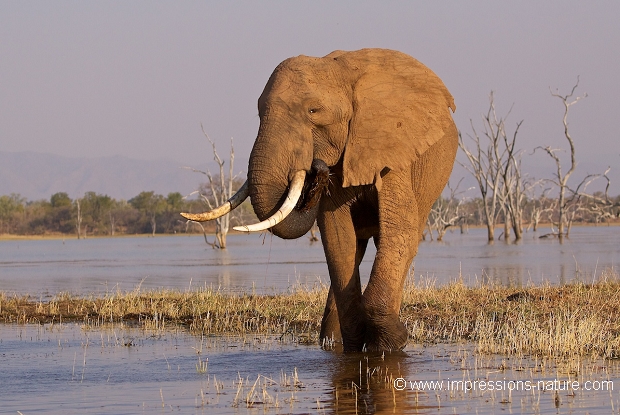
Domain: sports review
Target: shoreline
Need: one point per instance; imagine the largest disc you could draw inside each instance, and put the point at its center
(60, 237)
(12, 237)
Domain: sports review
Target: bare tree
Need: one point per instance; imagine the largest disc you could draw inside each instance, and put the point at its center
(602, 206)
(217, 191)
(539, 206)
(561, 179)
(445, 213)
(497, 169)
(513, 186)
(204, 231)
(576, 202)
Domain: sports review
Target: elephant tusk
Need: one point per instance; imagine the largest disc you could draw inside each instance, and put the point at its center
(230, 204)
(294, 193)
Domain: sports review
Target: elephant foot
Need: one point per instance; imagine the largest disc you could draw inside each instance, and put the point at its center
(353, 336)
(386, 334)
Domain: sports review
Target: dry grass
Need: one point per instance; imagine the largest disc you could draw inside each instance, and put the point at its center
(555, 321)
(203, 311)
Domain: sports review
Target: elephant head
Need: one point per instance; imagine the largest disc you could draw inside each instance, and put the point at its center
(352, 139)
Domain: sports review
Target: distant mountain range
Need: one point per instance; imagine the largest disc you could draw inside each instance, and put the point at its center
(38, 176)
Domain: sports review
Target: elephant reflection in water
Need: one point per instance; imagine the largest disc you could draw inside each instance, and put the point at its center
(363, 142)
(367, 382)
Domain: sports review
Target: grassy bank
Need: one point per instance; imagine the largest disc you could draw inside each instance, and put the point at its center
(556, 321)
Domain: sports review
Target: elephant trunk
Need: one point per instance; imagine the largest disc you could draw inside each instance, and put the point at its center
(268, 191)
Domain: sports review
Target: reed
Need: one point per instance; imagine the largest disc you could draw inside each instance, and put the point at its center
(546, 320)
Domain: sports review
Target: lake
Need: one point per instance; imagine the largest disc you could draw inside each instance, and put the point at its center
(77, 368)
(263, 264)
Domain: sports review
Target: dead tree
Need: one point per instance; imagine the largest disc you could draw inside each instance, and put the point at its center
(219, 190)
(561, 178)
(601, 205)
(513, 191)
(496, 169)
(539, 206)
(204, 231)
(445, 213)
(516, 191)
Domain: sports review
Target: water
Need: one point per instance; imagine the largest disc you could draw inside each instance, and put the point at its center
(266, 264)
(76, 369)
(71, 369)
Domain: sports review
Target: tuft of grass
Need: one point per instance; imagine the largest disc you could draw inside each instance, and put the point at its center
(551, 321)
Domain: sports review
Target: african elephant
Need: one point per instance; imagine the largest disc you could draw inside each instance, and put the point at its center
(363, 142)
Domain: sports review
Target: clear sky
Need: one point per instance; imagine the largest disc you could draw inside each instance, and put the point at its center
(137, 78)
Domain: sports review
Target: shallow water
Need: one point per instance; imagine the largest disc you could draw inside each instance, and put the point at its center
(265, 264)
(75, 369)
(72, 369)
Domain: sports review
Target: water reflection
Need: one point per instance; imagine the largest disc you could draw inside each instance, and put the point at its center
(364, 384)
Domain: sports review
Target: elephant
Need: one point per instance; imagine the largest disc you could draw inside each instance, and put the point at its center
(362, 142)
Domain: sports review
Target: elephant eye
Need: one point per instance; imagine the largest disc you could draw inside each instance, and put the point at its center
(313, 110)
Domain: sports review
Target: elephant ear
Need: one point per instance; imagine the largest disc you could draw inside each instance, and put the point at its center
(400, 109)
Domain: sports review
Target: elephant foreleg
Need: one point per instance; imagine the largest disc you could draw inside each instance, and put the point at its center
(397, 245)
(330, 325)
(343, 252)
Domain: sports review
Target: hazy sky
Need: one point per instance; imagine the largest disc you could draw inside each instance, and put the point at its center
(138, 78)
